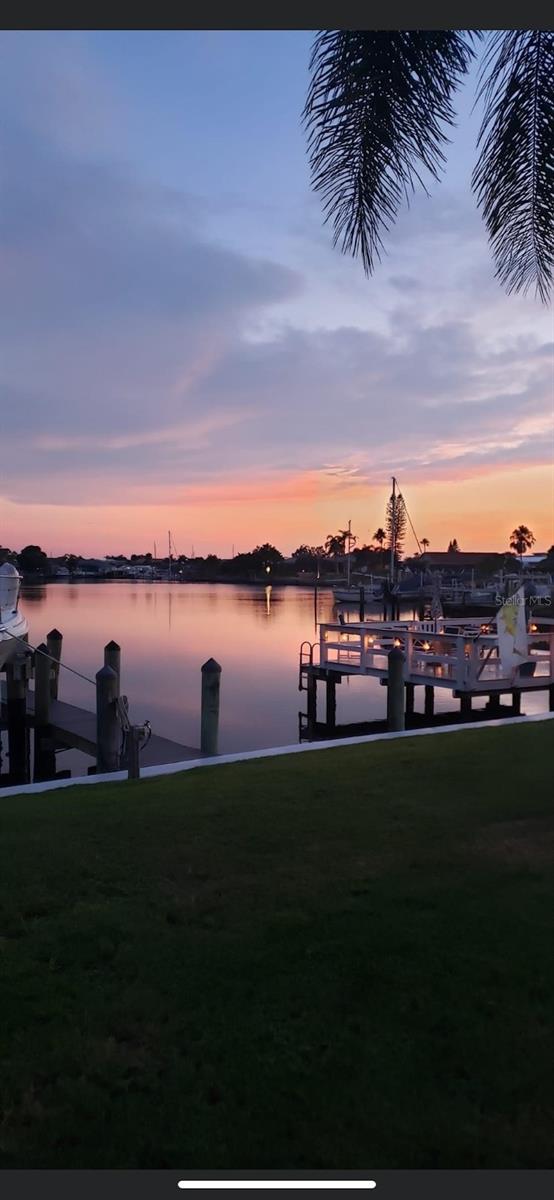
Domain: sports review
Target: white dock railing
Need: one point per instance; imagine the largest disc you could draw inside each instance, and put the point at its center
(464, 659)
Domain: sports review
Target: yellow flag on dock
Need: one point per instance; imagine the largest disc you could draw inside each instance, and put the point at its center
(511, 625)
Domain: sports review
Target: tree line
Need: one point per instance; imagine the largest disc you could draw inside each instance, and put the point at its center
(32, 559)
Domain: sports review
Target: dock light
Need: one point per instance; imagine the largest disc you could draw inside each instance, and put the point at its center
(426, 645)
(397, 642)
(267, 570)
(370, 641)
(485, 628)
(533, 628)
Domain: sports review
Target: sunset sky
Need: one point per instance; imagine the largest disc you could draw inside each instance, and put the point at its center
(183, 349)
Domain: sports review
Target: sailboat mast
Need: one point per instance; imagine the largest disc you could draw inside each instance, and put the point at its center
(348, 552)
(169, 554)
(393, 530)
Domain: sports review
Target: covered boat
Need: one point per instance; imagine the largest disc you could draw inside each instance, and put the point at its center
(13, 625)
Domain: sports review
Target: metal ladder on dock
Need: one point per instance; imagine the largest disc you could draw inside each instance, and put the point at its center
(305, 660)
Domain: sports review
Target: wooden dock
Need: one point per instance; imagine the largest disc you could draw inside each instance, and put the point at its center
(460, 655)
(74, 728)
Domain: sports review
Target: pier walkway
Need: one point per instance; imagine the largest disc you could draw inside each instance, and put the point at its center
(75, 728)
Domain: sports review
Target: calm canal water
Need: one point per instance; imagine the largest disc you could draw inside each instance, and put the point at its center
(166, 632)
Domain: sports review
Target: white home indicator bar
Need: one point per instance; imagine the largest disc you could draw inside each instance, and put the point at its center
(277, 1183)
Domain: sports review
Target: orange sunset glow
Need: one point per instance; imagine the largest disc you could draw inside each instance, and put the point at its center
(288, 512)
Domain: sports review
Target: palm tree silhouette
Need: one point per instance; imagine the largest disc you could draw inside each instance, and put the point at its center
(380, 537)
(378, 108)
(521, 539)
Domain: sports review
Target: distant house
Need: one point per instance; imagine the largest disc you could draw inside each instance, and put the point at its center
(466, 563)
(533, 560)
(460, 558)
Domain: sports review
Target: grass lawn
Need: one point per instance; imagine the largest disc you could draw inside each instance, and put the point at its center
(339, 960)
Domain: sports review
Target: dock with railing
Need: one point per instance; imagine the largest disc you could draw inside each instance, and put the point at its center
(460, 655)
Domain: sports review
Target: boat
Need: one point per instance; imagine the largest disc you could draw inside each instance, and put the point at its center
(470, 602)
(352, 593)
(13, 625)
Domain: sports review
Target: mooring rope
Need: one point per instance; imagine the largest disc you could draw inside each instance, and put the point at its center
(44, 653)
(122, 703)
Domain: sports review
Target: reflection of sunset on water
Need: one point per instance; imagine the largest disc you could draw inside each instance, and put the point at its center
(167, 631)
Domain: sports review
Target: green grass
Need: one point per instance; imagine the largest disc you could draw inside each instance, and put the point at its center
(339, 960)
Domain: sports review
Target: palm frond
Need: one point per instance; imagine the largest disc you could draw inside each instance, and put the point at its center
(514, 177)
(375, 113)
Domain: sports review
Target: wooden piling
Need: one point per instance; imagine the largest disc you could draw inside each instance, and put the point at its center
(395, 690)
(112, 658)
(43, 671)
(54, 641)
(551, 698)
(429, 700)
(133, 761)
(18, 728)
(465, 705)
(209, 719)
(44, 765)
(410, 696)
(516, 701)
(311, 699)
(362, 604)
(108, 731)
(331, 703)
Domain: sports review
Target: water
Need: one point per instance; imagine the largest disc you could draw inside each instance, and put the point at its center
(166, 632)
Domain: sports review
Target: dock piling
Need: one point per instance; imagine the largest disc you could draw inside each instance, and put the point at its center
(331, 703)
(395, 690)
(54, 642)
(18, 728)
(43, 671)
(133, 760)
(465, 706)
(410, 696)
(429, 700)
(209, 717)
(44, 748)
(108, 733)
(311, 698)
(112, 658)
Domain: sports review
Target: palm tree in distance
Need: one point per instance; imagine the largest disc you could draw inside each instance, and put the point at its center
(377, 111)
(380, 537)
(425, 543)
(521, 539)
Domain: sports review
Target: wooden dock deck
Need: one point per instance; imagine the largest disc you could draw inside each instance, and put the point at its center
(443, 654)
(75, 728)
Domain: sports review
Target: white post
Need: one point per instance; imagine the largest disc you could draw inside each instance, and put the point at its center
(408, 650)
(461, 663)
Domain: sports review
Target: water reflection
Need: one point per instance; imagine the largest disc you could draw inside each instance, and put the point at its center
(166, 632)
(33, 593)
